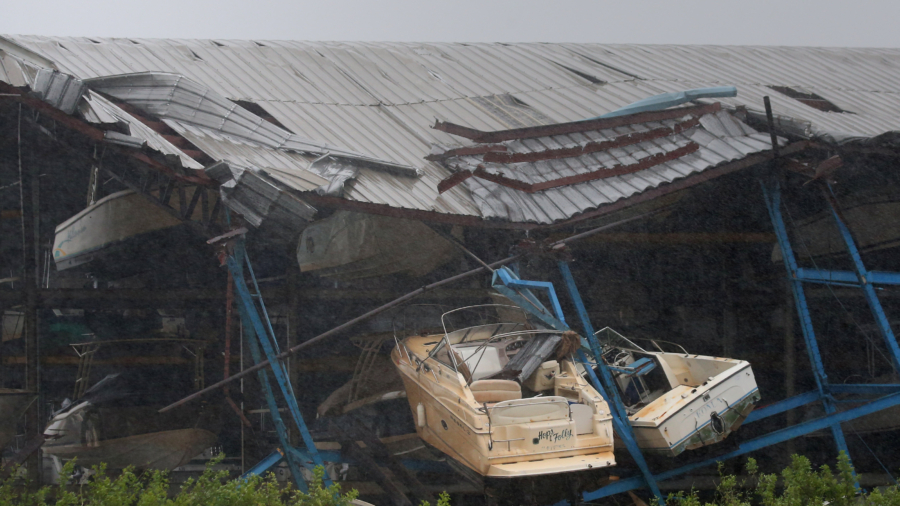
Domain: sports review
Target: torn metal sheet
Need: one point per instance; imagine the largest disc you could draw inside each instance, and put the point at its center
(620, 157)
(57, 89)
(262, 203)
(175, 97)
(95, 108)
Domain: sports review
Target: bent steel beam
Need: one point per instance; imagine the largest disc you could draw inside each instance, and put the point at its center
(770, 439)
(259, 335)
(607, 385)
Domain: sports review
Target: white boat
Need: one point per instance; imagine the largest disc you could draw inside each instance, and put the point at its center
(164, 450)
(488, 394)
(349, 245)
(679, 401)
(116, 421)
(115, 222)
(106, 426)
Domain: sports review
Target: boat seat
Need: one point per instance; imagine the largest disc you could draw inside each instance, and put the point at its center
(486, 391)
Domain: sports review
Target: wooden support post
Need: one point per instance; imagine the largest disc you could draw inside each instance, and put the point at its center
(30, 212)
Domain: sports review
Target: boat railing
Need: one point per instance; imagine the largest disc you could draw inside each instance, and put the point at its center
(493, 307)
(617, 340)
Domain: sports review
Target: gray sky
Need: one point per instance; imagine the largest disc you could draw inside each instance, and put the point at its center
(869, 23)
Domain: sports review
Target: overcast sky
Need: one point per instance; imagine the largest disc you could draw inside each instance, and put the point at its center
(866, 23)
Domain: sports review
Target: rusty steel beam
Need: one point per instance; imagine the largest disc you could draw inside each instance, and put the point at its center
(95, 134)
(203, 180)
(323, 201)
(472, 221)
(453, 180)
(678, 238)
(646, 163)
(575, 126)
(590, 147)
(71, 122)
(467, 150)
(681, 184)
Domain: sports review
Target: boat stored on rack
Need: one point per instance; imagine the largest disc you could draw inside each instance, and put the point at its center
(116, 421)
(488, 394)
(678, 401)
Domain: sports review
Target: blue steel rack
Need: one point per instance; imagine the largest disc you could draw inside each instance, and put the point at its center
(260, 338)
(507, 283)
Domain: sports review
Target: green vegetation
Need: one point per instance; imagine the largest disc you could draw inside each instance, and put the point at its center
(212, 488)
(800, 485)
(443, 500)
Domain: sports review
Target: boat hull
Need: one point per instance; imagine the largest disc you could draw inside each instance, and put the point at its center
(510, 453)
(158, 450)
(123, 235)
(690, 417)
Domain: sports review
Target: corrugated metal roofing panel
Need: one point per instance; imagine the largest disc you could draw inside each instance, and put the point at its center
(721, 138)
(285, 166)
(97, 109)
(380, 99)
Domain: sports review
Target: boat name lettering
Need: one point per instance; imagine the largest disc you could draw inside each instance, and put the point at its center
(461, 425)
(75, 232)
(71, 234)
(552, 436)
(703, 411)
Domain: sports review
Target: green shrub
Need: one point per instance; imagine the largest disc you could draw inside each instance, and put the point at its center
(151, 488)
(800, 485)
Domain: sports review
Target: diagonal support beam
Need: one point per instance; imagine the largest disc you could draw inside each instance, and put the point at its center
(770, 439)
(782, 406)
(280, 428)
(264, 337)
(863, 278)
(607, 385)
(772, 197)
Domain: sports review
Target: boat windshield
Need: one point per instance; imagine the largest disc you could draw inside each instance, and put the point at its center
(479, 341)
(473, 324)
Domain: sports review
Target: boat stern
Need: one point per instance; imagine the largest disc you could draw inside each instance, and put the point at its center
(552, 465)
(690, 417)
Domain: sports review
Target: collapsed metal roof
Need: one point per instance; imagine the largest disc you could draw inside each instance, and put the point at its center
(361, 113)
(548, 173)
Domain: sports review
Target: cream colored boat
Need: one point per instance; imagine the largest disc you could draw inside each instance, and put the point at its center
(489, 396)
(678, 401)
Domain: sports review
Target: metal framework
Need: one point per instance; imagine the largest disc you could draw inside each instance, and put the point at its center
(874, 397)
(260, 337)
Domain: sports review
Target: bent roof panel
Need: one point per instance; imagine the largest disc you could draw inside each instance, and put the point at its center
(381, 99)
